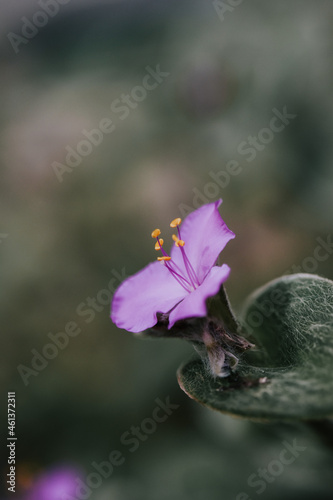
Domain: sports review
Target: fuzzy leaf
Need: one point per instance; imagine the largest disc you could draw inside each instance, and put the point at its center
(289, 375)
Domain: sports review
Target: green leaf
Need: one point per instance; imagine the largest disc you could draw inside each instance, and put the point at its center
(289, 375)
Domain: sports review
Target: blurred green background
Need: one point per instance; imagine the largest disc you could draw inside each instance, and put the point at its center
(62, 242)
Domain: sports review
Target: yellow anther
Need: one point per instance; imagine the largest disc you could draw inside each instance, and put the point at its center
(179, 243)
(175, 222)
(163, 258)
(159, 244)
(155, 233)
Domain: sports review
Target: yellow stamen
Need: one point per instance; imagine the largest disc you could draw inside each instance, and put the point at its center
(159, 244)
(163, 258)
(155, 233)
(176, 222)
(179, 243)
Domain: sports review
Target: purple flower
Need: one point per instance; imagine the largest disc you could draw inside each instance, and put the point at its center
(179, 284)
(57, 484)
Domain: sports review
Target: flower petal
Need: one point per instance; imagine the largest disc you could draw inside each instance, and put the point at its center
(194, 305)
(138, 299)
(205, 234)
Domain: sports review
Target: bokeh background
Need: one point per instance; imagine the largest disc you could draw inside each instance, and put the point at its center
(62, 242)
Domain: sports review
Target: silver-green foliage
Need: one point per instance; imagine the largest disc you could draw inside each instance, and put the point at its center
(289, 375)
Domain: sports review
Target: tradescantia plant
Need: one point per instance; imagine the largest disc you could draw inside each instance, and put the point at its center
(275, 362)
